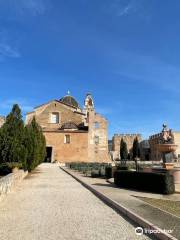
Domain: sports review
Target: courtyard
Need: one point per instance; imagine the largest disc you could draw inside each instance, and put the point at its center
(50, 204)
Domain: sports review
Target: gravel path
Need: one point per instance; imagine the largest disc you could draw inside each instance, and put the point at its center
(50, 205)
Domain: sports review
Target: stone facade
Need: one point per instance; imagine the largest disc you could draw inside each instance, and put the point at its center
(72, 134)
(155, 155)
(2, 120)
(128, 138)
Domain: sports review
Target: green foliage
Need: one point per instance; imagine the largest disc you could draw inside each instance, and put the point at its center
(123, 150)
(136, 150)
(92, 168)
(152, 182)
(20, 144)
(35, 144)
(12, 133)
(119, 167)
(95, 173)
(108, 172)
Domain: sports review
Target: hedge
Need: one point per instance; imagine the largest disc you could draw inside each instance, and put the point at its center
(108, 172)
(93, 169)
(95, 173)
(122, 168)
(151, 182)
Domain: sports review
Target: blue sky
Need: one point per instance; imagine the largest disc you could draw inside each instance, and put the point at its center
(125, 52)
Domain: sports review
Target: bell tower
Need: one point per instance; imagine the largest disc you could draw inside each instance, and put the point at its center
(88, 109)
(89, 103)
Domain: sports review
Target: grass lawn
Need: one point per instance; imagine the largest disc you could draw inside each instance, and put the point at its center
(172, 207)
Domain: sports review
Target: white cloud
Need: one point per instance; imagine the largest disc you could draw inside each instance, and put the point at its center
(36, 7)
(121, 8)
(125, 10)
(8, 103)
(7, 51)
(22, 7)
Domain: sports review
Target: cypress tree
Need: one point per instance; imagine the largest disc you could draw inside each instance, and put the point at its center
(19, 144)
(123, 150)
(136, 150)
(12, 147)
(35, 144)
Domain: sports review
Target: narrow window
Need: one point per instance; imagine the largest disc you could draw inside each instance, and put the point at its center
(96, 125)
(55, 117)
(96, 139)
(67, 139)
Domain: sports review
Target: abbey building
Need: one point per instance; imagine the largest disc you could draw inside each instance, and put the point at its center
(72, 133)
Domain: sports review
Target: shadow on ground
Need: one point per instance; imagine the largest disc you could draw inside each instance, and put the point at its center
(35, 173)
(105, 185)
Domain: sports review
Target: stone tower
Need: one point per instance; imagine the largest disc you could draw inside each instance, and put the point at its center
(97, 132)
(89, 120)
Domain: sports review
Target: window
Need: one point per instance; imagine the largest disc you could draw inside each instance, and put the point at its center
(96, 139)
(96, 125)
(67, 139)
(55, 117)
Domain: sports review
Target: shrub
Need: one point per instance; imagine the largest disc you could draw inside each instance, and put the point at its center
(95, 173)
(122, 168)
(152, 182)
(108, 172)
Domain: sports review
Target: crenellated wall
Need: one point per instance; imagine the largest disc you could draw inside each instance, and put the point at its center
(154, 140)
(128, 138)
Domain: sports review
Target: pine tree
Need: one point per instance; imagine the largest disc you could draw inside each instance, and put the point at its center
(123, 150)
(136, 150)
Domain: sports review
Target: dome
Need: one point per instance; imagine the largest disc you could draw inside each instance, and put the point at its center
(69, 100)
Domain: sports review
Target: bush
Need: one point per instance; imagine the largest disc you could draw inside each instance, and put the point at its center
(95, 173)
(152, 182)
(6, 168)
(122, 168)
(108, 172)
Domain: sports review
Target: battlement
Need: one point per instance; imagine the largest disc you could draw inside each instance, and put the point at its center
(127, 135)
(155, 136)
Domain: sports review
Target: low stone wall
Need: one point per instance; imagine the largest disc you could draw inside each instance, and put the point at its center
(10, 181)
